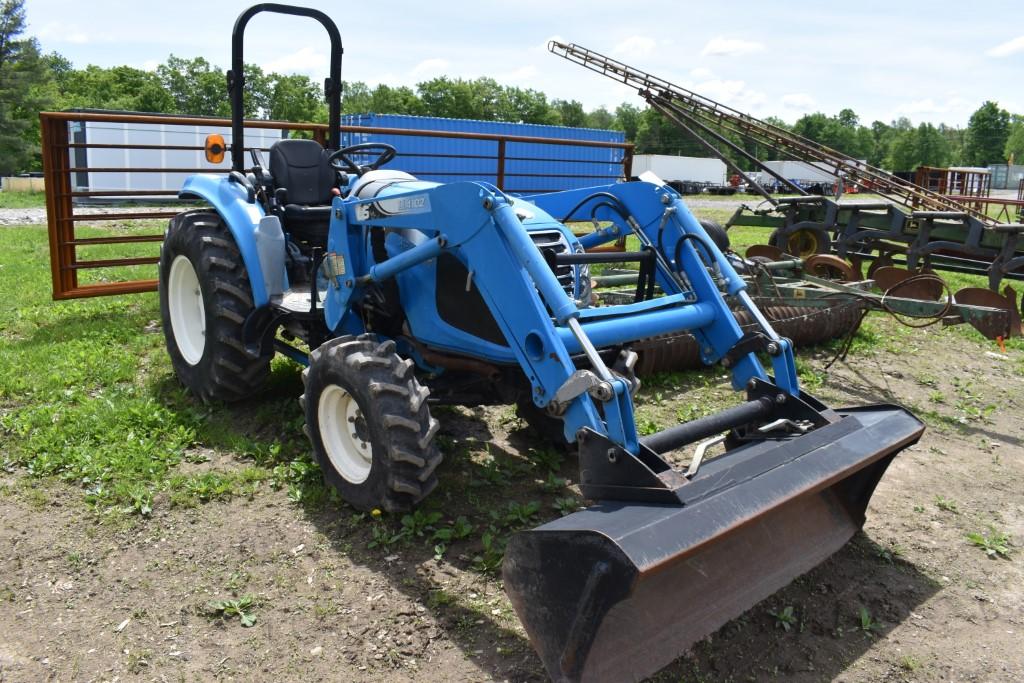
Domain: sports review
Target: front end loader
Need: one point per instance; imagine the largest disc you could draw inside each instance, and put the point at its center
(398, 293)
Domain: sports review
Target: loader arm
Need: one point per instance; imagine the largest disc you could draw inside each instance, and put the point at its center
(614, 592)
(543, 326)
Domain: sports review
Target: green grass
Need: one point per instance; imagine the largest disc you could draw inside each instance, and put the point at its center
(22, 200)
(87, 397)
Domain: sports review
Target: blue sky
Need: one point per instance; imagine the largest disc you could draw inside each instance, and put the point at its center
(930, 61)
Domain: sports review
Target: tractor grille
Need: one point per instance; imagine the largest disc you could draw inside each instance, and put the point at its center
(556, 242)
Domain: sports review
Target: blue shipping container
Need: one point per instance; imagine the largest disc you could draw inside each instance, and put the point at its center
(529, 166)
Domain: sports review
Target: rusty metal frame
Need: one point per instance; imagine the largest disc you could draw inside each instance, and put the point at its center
(60, 194)
(692, 107)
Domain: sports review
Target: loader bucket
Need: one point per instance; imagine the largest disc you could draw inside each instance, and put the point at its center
(619, 590)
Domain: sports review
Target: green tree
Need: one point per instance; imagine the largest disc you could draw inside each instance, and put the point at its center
(842, 132)
(257, 92)
(295, 98)
(931, 146)
(401, 100)
(987, 132)
(196, 86)
(570, 113)
(656, 135)
(912, 147)
(355, 97)
(812, 126)
(899, 155)
(25, 89)
(627, 119)
(955, 139)
(456, 99)
(881, 137)
(600, 118)
(1014, 151)
(526, 106)
(121, 88)
(359, 98)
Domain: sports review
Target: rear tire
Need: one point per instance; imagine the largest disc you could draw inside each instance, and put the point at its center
(802, 243)
(368, 421)
(717, 233)
(205, 297)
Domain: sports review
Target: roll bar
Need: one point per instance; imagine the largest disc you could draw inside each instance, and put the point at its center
(236, 76)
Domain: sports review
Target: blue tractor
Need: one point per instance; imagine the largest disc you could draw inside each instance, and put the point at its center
(397, 293)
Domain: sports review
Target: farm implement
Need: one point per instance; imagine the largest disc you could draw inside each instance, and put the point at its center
(913, 228)
(397, 294)
(813, 300)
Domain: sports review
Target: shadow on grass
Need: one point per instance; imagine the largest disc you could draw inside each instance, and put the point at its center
(873, 389)
(827, 630)
(121, 323)
(478, 477)
(828, 633)
(837, 611)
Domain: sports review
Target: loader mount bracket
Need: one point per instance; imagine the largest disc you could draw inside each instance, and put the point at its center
(610, 472)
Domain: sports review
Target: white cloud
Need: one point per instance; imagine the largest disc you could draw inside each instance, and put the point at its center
(524, 74)
(730, 47)
(951, 109)
(1010, 47)
(306, 60)
(429, 68)
(63, 33)
(151, 64)
(800, 102)
(635, 46)
(701, 73)
(733, 93)
(930, 106)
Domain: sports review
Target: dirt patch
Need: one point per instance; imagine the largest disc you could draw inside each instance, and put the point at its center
(161, 598)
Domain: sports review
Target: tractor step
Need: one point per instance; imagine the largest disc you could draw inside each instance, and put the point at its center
(619, 590)
(297, 301)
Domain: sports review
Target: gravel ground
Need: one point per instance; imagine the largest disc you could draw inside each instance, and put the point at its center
(37, 216)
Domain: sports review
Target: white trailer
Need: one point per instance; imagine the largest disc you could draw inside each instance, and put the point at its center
(670, 168)
(124, 152)
(802, 171)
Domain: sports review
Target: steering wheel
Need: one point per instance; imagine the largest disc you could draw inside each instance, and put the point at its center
(339, 159)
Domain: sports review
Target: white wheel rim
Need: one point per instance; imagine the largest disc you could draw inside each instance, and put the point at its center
(337, 413)
(188, 315)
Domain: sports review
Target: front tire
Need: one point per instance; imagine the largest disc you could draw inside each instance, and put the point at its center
(368, 421)
(205, 297)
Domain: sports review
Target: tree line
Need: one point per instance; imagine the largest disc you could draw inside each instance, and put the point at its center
(31, 82)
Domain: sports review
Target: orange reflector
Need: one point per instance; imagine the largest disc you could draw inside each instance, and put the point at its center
(214, 148)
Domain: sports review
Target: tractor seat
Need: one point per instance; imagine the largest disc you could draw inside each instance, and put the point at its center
(300, 166)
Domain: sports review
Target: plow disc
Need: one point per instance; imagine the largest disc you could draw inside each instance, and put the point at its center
(901, 282)
(765, 251)
(830, 267)
(619, 590)
(992, 326)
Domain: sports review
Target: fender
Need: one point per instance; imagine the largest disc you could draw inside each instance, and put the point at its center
(229, 200)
